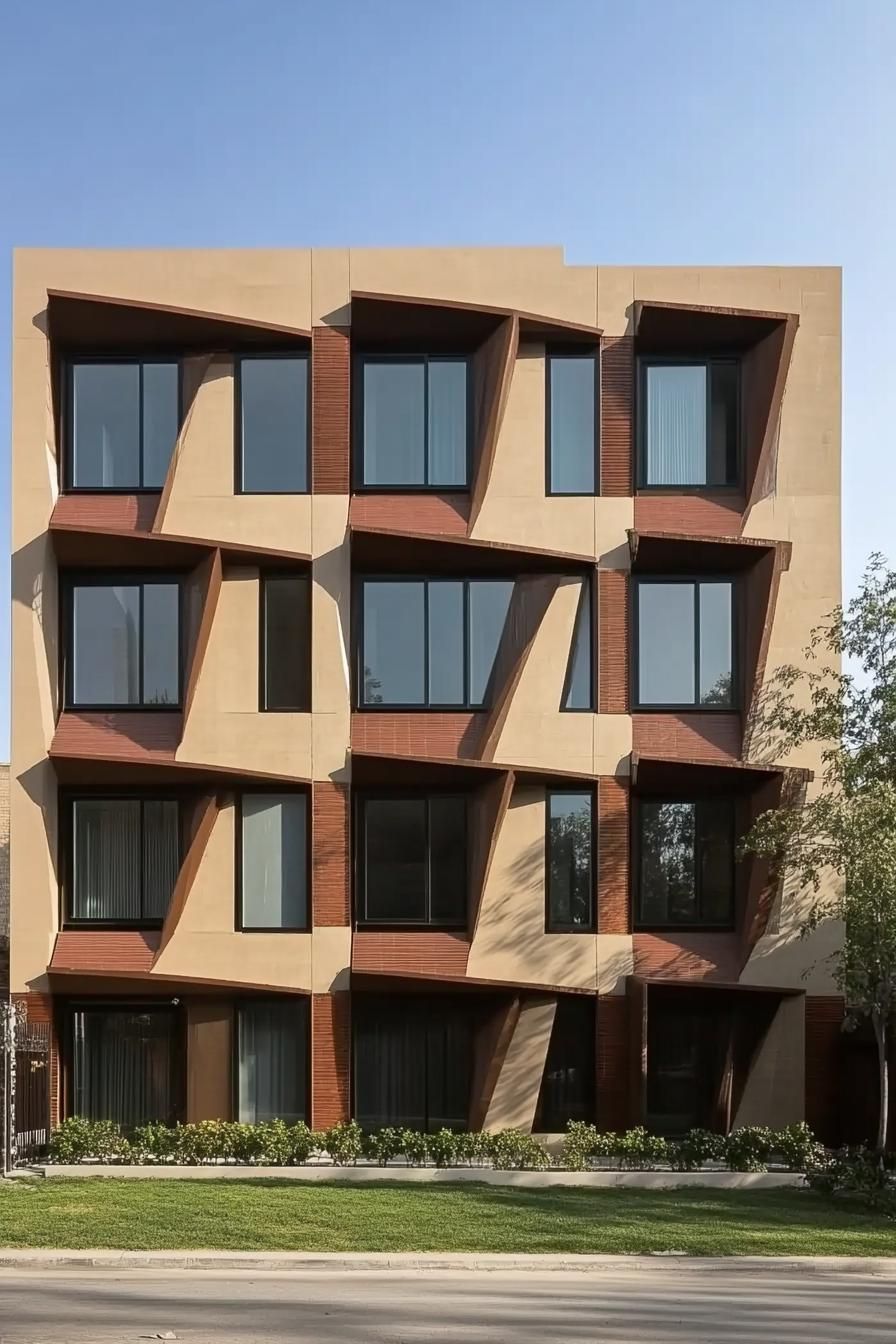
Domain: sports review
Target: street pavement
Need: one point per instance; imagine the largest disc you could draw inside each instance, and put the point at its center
(645, 1301)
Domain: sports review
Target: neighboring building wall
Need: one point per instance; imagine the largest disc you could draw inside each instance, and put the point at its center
(4, 881)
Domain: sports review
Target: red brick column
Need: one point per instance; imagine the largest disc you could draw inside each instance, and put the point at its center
(617, 399)
(331, 850)
(330, 1059)
(613, 1064)
(612, 641)
(613, 901)
(824, 1041)
(330, 401)
(39, 1008)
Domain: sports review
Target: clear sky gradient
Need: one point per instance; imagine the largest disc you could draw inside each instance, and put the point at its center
(652, 132)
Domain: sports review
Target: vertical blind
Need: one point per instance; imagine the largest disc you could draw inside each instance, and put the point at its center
(126, 854)
(274, 866)
(676, 424)
(123, 1065)
(273, 1060)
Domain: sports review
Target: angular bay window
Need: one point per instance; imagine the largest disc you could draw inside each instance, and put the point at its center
(430, 643)
(272, 424)
(413, 425)
(273, 838)
(690, 422)
(685, 863)
(285, 642)
(412, 860)
(685, 644)
(412, 1062)
(572, 383)
(123, 421)
(272, 1060)
(124, 859)
(124, 1065)
(123, 643)
(570, 859)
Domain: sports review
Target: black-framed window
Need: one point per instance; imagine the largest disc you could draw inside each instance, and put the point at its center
(685, 644)
(578, 692)
(272, 1060)
(685, 863)
(412, 423)
(122, 423)
(273, 861)
(689, 422)
(430, 643)
(412, 860)
(122, 646)
(123, 859)
(572, 383)
(568, 1082)
(412, 1061)
(285, 682)
(570, 860)
(272, 424)
(125, 1063)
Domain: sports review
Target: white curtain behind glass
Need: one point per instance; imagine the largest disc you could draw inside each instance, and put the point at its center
(676, 424)
(274, 870)
(447, 422)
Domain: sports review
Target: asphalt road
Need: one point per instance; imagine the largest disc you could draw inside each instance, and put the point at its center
(654, 1303)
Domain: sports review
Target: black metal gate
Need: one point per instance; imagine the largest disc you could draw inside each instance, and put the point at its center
(25, 1060)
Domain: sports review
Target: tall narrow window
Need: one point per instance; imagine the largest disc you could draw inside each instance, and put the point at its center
(685, 651)
(272, 403)
(272, 1060)
(414, 421)
(567, 1085)
(123, 423)
(125, 855)
(685, 863)
(285, 642)
(412, 862)
(124, 643)
(124, 1065)
(572, 424)
(579, 690)
(570, 847)
(274, 869)
(690, 423)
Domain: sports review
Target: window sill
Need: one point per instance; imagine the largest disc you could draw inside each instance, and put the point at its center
(734, 492)
(70, 925)
(571, 928)
(683, 928)
(685, 709)
(111, 490)
(277, 928)
(173, 708)
(379, 926)
(359, 489)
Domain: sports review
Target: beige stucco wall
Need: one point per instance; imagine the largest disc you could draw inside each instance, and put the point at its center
(774, 1094)
(515, 1097)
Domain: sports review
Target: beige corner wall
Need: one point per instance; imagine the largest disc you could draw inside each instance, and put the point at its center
(774, 1094)
(515, 1097)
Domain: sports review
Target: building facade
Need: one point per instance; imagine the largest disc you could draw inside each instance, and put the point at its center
(390, 637)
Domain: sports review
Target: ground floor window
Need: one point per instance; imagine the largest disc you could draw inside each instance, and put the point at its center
(124, 1064)
(272, 1060)
(412, 1062)
(567, 1086)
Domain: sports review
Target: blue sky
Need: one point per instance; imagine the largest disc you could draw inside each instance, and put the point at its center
(658, 131)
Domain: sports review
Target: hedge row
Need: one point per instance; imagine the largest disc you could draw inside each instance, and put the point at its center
(277, 1144)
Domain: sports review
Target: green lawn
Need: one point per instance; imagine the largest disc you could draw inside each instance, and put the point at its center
(286, 1216)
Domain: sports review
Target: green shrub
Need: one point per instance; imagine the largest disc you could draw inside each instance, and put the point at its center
(154, 1143)
(204, 1142)
(415, 1147)
(474, 1147)
(383, 1144)
(344, 1142)
(583, 1142)
(637, 1150)
(695, 1149)
(856, 1174)
(797, 1147)
(77, 1140)
(748, 1148)
(442, 1148)
(514, 1151)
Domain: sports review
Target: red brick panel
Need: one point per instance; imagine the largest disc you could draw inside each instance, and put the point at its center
(690, 737)
(330, 1059)
(134, 737)
(613, 903)
(330, 416)
(824, 1050)
(330, 855)
(444, 515)
(612, 641)
(617, 404)
(613, 1062)
(125, 513)
(693, 515)
(410, 952)
(688, 956)
(440, 736)
(40, 1009)
(129, 950)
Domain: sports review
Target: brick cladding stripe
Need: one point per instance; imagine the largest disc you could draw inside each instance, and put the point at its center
(437, 735)
(124, 513)
(687, 956)
(330, 1059)
(105, 950)
(613, 1063)
(613, 856)
(824, 1050)
(330, 394)
(612, 641)
(617, 398)
(331, 898)
(40, 1009)
(444, 515)
(122, 736)
(692, 737)
(692, 514)
(410, 952)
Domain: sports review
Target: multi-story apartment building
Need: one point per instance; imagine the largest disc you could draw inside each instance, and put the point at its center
(390, 632)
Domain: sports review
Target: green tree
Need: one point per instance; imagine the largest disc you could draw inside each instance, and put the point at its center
(841, 841)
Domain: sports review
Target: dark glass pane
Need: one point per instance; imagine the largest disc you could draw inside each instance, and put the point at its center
(106, 426)
(161, 855)
(723, 425)
(273, 1061)
(448, 860)
(106, 645)
(274, 425)
(489, 601)
(666, 643)
(161, 654)
(394, 430)
(569, 860)
(446, 643)
(680, 1074)
(572, 426)
(716, 839)
(106, 859)
(287, 645)
(668, 884)
(123, 1066)
(567, 1085)
(390, 1062)
(395, 859)
(447, 422)
(579, 678)
(448, 1065)
(393, 669)
(274, 869)
(676, 424)
(715, 644)
(160, 421)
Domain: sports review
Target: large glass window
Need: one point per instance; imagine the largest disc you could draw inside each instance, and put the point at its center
(285, 642)
(124, 643)
(273, 424)
(274, 863)
(272, 1060)
(414, 421)
(412, 863)
(570, 848)
(123, 423)
(431, 642)
(690, 423)
(412, 1062)
(125, 855)
(685, 653)
(567, 1085)
(123, 1065)
(579, 690)
(572, 424)
(685, 864)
